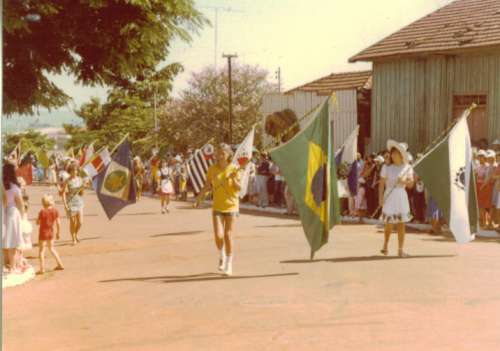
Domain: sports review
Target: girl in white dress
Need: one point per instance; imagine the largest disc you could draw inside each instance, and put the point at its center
(13, 207)
(166, 188)
(394, 179)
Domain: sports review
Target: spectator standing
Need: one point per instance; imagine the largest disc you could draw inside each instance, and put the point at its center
(263, 173)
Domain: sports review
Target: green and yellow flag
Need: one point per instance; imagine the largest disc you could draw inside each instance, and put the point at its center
(308, 165)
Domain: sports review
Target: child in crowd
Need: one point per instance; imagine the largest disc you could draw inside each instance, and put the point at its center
(360, 199)
(47, 218)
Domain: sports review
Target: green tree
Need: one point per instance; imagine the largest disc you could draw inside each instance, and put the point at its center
(107, 42)
(202, 110)
(127, 110)
(30, 140)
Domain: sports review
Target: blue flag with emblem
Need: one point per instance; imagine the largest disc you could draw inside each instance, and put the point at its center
(115, 185)
(308, 165)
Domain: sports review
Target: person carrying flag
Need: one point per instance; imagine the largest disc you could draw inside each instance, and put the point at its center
(72, 194)
(394, 179)
(223, 180)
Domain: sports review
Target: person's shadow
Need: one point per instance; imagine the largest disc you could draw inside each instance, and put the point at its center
(170, 279)
(365, 259)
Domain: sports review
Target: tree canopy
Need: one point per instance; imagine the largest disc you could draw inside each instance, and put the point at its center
(118, 43)
(202, 109)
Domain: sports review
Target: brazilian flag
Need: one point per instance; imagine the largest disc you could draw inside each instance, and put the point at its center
(308, 165)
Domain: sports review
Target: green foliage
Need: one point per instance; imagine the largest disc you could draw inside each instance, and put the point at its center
(107, 42)
(202, 111)
(30, 141)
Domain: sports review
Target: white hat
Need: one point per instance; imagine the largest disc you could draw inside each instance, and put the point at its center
(401, 147)
(379, 159)
(490, 154)
(481, 153)
(496, 142)
(178, 158)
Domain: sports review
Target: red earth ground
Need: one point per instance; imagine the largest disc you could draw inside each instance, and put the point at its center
(147, 281)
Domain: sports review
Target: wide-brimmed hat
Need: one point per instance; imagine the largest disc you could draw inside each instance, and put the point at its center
(401, 147)
(490, 154)
(481, 153)
(379, 159)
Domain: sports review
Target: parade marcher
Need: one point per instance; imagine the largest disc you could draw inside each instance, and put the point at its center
(394, 179)
(139, 173)
(48, 217)
(13, 212)
(52, 175)
(166, 187)
(223, 179)
(73, 201)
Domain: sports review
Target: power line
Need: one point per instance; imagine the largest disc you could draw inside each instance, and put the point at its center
(216, 10)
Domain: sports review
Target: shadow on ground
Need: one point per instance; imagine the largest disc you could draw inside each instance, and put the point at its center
(279, 226)
(170, 279)
(69, 242)
(193, 232)
(367, 258)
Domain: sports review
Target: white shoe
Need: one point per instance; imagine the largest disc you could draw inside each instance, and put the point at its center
(221, 265)
(229, 269)
(162, 210)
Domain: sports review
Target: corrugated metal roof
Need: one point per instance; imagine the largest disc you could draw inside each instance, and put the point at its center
(337, 81)
(463, 24)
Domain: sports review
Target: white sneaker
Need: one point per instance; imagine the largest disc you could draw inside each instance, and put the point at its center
(162, 210)
(221, 264)
(229, 269)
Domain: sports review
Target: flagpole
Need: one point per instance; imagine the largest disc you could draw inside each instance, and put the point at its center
(119, 143)
(429, 147)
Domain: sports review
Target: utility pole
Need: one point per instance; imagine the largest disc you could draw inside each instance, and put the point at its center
(278, 77)
(156, 119)
(230, 93)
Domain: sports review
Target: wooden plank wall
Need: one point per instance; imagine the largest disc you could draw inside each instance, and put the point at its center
(343, 115)
(412, 98)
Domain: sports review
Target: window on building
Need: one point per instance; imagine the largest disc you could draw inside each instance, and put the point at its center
(478, 120)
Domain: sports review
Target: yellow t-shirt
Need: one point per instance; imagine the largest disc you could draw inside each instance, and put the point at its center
(226, 196)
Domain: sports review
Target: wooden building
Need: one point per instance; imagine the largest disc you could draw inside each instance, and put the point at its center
(352, 107)
(427, 73)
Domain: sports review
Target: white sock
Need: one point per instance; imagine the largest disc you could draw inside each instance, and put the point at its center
(229, 260)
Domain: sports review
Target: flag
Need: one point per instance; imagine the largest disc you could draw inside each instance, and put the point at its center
(346, 158)
(25, 171)
(43, 158)
(97, 162)
(15, 155)
(115, 183)
(447, 173)
(306, 162)
(242, 157)
(89, 152)
(197, 166)
(71, 153)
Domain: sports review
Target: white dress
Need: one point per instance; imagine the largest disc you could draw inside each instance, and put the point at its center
(13, 236)
(166, 176)
(396, 207)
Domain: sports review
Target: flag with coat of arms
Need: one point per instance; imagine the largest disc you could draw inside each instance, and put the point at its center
(115, 184)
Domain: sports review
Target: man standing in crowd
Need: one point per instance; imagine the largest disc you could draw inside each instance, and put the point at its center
(263, 172)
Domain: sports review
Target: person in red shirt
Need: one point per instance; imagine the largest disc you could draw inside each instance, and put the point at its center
(47, 218)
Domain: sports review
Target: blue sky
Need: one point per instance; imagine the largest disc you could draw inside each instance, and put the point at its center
(307, 39)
